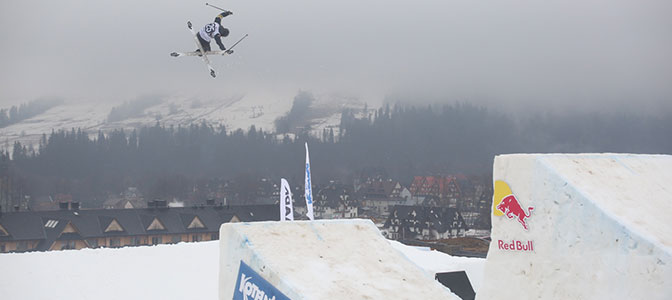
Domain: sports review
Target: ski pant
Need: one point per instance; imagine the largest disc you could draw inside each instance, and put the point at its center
(204, 44)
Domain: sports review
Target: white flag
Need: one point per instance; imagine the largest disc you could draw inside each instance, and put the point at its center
(309, 189)
(286, 208)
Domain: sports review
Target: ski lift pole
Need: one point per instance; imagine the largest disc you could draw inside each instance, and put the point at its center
(224, 10)
(236, 43)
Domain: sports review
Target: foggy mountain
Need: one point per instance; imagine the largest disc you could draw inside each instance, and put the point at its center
(318, 111)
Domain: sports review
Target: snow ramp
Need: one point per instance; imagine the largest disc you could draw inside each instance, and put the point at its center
(581, 226)
(325, 259)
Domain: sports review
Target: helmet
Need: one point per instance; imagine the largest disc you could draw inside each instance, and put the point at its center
(223, 31)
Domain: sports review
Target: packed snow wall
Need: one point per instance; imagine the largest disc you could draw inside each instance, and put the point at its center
(583, 226)
(325, 259)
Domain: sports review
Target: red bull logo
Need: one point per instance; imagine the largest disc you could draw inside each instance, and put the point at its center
(505, 203)
(512, 210)
(515, 245)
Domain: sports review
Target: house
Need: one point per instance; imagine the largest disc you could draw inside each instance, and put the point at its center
(267, 191)
(70, 228)
(443, 191)
(20, 232)
(116, 203)
(476, 200)
(224, 192)
(335, 201)
(131, 198)
(377, 196)
(424, 223)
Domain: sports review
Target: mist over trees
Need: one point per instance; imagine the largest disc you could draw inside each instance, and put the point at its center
(297, 114)
(25, 111)
(132, 108)
(465, 138)
(397, 142)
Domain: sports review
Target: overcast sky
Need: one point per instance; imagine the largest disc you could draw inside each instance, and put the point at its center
(538, 53)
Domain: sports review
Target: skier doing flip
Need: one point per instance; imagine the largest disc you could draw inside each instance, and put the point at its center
(216, 31)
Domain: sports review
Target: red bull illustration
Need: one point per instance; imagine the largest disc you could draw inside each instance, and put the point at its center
(512, 210)
(505, 203)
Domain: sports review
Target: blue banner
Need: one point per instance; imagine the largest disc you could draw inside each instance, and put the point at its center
(308, 188)
(251, 286)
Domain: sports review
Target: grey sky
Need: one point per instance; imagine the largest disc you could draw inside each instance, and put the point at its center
(538, 53)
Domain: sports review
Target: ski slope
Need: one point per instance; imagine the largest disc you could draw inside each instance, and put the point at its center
(180, 271)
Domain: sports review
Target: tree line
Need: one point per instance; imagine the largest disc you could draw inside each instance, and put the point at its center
(25, 111)
(133, 108)
(393, 141)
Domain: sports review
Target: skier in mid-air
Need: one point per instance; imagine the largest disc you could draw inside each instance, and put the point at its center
(216, 31)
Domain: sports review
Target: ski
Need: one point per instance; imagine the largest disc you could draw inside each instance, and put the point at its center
(205, 56)
(197, 53)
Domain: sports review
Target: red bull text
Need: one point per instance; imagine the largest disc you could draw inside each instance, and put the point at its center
(514, 245)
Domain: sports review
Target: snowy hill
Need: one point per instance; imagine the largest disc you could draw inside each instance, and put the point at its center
(181, 271)
(233, 111)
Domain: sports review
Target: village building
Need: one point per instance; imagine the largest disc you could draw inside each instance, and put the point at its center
(72, 228)
(131, 198)
(267, 191)
(442, 191)
(413, 222)
(378, 196)
(335, 201)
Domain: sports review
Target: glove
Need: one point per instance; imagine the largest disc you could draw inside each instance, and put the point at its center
(230, 51)
(226, 13)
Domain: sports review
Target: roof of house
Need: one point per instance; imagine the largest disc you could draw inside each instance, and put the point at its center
(378, 189)
(48, 226)
(432, 185)
(21, 227)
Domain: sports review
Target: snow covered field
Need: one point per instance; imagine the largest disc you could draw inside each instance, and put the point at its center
(181, 271)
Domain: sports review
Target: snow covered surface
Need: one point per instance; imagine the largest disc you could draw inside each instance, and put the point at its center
(433, 262)
(325, 259)
(233, 110)
(181, 271)
(598, 228)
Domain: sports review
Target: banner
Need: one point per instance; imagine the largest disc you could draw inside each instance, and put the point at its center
(251, 286)
(309, 189)
(286, 208)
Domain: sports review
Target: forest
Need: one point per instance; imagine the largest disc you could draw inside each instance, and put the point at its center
(24, 111)
(396, 142)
